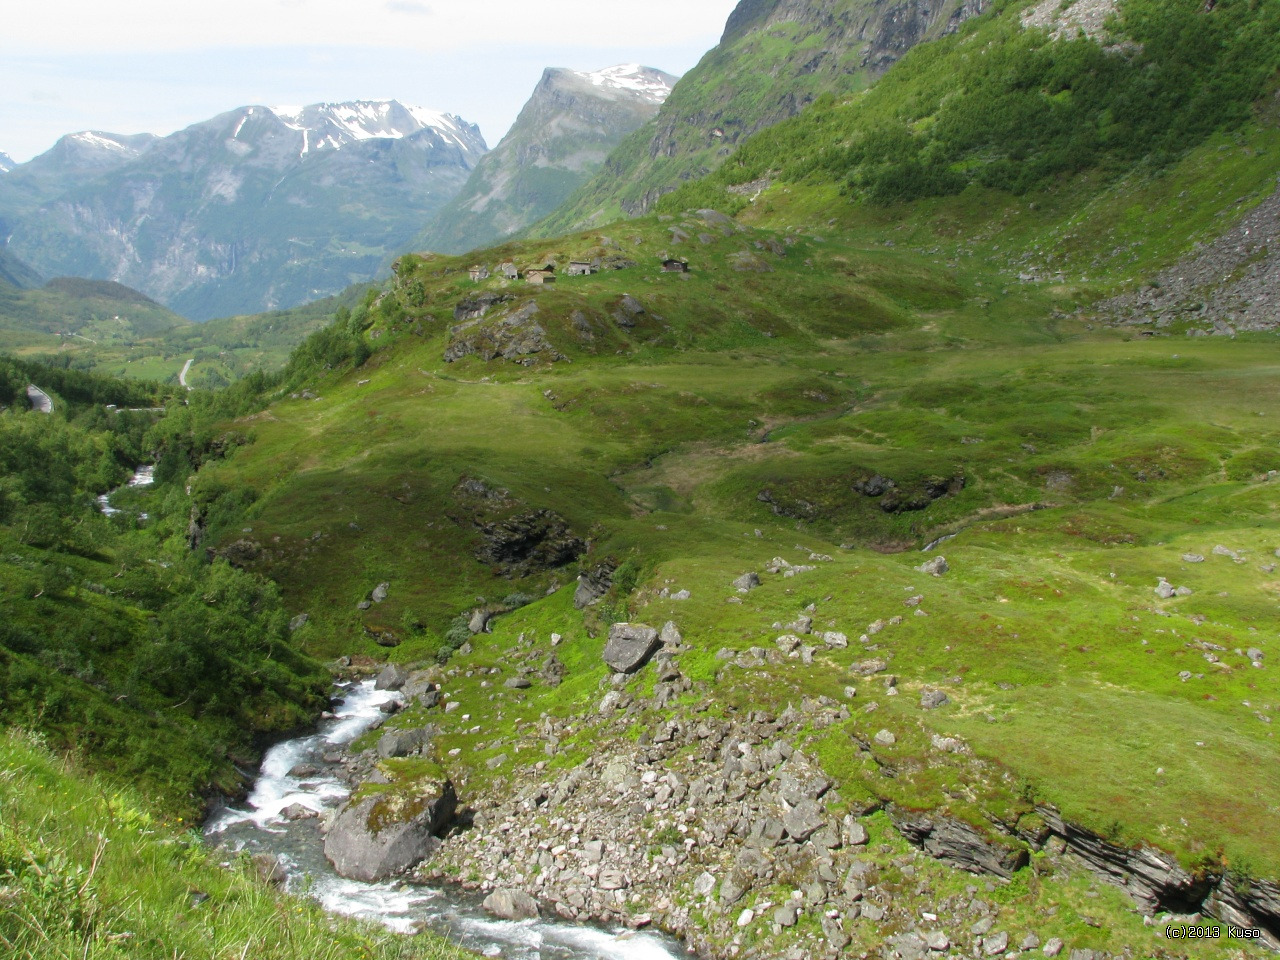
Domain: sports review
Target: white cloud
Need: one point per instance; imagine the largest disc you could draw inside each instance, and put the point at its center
(66, 26)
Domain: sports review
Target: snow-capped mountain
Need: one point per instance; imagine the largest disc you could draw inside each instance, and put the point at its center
(331, 126)
(258, 208)
(6, 162)
(563, 135)
(646, 82)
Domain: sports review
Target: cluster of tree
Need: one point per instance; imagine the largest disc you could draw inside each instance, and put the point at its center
(118, 640)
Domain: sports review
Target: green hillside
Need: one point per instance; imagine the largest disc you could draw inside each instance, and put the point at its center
(773, 61)
(69, 314)
(998, 310)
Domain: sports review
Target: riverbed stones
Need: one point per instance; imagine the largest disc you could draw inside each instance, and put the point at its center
(384, 835)
(511, 905)
(630, 646)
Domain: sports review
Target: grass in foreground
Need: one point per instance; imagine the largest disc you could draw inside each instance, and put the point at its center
(86, 871)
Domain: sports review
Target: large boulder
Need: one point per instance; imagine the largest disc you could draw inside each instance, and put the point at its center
(511, 905)
(384, 835)
(630, 646)
(401, 743)
(392, 677)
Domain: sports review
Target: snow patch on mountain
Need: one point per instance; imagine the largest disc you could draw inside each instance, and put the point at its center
(332, 126)
(6, 162)
(103, 141)
(649, 83)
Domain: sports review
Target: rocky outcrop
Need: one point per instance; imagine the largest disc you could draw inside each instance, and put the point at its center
(594, 584)
(528, 542)
(1153, 878)
(513, 335)
(475, 307)
(383, 836)
(1252, 903)
(958, 843)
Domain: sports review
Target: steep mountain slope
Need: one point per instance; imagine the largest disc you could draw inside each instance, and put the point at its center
(776, 57)
(256, 209)
(16, 273)
(562, 137)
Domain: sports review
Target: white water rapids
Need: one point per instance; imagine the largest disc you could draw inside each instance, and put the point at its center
(260, 827)
(145, 477)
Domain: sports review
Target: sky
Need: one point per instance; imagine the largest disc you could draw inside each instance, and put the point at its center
(157, 66)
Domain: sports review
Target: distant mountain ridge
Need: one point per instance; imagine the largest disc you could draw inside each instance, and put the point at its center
(775, 57)
(255, 209)
(562, 136)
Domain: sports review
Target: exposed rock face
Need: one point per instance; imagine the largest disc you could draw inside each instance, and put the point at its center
(630, 646)
(512, 334)
(383, 836)
(1256, 904)
(476, 306)
(538, 540)
(1154, 879)
(594, 584)
(958, 843)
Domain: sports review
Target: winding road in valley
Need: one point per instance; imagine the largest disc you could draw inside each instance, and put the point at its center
(186, 368)
(39, 399)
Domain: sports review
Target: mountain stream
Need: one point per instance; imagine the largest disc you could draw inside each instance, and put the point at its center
(260, 827)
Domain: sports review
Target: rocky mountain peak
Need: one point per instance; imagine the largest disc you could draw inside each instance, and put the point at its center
(332, 126)
(6, 162)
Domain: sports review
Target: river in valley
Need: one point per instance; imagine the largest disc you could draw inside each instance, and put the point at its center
(145, 477)
(259, 826)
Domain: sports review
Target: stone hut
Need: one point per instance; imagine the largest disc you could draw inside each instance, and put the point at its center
(541, 275)
(581, 268)
(674, 266)
(479, 273)
(508, 270)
